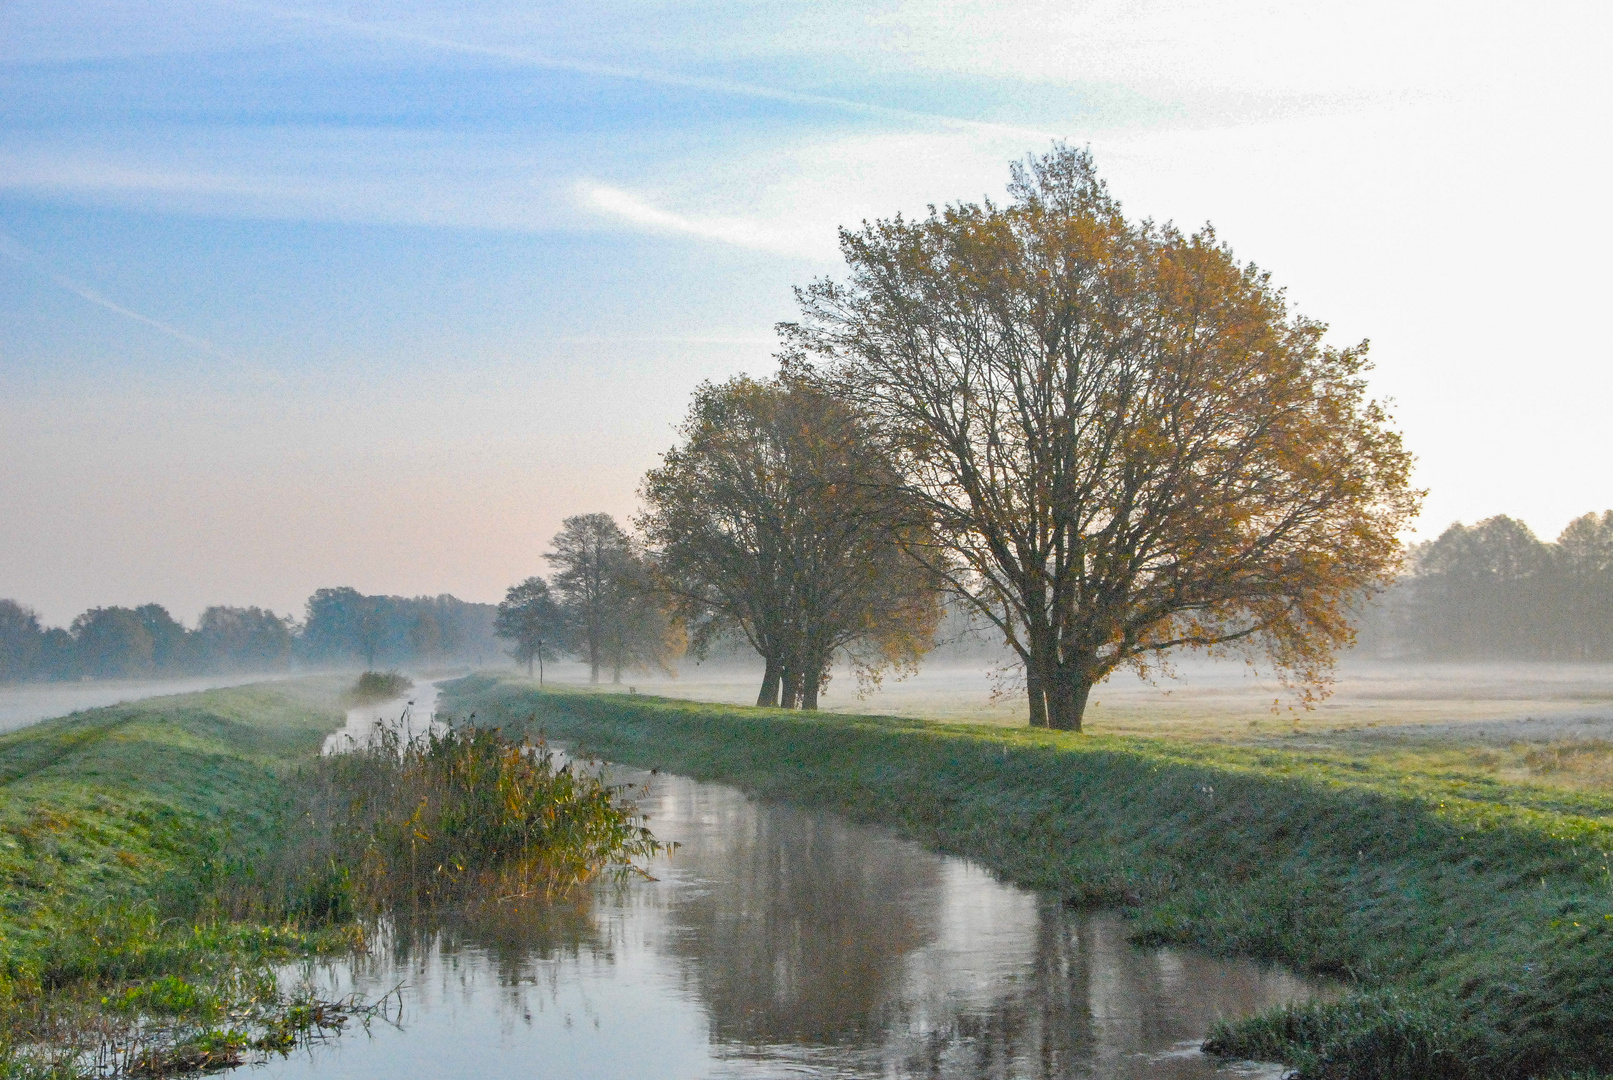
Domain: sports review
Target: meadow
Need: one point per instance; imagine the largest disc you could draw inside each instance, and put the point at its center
(1459, 882)
(117, 828)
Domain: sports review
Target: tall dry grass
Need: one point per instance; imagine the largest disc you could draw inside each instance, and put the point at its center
(461, 814)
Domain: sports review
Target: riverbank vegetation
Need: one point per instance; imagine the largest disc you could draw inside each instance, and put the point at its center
(456, 815)
(373, 687)
(118, 828)
(1472, 918)
(163, 859)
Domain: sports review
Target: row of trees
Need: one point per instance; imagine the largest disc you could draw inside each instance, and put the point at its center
(121, 642)
(772, 524)
(1496, 591)
(341, 627)
(1107, 439)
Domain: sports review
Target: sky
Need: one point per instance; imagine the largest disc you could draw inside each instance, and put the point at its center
(306, 294)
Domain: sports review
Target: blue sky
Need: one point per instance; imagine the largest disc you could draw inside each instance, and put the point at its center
(312, 293)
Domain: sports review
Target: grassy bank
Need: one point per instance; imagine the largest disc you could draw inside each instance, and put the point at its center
(120, 829)
(161, 858)
(1473, 916)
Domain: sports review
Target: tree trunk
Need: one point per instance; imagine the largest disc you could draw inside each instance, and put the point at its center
(1039, 672)
(1067, 703)
(810, 683)
(791, 689)
(1036, 691)
(768, 698)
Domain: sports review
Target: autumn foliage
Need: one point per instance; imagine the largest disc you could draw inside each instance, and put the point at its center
(779, 518)
(1123, 442)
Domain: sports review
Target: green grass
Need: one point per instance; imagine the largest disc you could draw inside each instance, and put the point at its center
(117, 827)
(1473, 917)
(160, 858)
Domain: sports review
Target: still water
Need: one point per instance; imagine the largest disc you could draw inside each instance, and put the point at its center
(780, 942)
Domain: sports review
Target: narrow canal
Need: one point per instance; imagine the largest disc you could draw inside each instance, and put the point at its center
(781, 942)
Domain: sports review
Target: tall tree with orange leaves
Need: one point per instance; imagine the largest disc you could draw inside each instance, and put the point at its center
(1122, 440)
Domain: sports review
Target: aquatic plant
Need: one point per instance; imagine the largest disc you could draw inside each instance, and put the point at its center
(458, 810)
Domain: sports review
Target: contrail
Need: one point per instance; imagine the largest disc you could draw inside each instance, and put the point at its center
(612, 71)
(19, 254)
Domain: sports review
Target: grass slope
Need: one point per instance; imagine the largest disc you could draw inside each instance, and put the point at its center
(115, 822)
(1474, 916)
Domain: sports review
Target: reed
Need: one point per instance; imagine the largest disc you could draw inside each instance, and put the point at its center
(459, 814)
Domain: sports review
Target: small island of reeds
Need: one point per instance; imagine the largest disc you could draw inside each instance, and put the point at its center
(377, 686)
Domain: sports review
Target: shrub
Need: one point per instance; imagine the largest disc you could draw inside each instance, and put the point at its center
(373, 686)
(444, 816)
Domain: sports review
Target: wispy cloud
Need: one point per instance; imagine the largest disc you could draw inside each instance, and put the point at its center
(740, 232)
(735, 338)
(19, 254)
(734, 88)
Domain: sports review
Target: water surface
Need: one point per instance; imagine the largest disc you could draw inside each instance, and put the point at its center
(411, 716)
(781, 942)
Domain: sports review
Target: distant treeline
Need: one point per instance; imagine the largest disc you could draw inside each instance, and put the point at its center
(1495, 591)
(339, 627)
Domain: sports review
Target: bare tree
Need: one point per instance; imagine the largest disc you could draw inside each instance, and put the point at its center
(775, 517)
(1125, 442)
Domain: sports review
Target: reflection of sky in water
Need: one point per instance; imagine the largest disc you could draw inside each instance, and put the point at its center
(781, 942)
(411, 716)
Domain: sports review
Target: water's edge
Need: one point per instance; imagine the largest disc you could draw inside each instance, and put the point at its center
(779, 939)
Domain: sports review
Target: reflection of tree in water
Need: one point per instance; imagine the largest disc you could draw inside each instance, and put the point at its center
(804, 939)
(1090, 1005)
(813, 946)
(522, 941)
(832, 944)
(1035, 1023)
